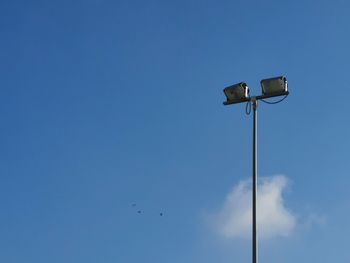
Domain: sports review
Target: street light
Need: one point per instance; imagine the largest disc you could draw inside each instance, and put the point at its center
(238, 93)
(275, 86)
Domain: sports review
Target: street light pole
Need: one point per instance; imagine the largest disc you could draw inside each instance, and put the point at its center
(239, 93)
(255, 182)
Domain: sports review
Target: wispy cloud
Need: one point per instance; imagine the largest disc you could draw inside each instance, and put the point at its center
(274, 219)
(314, 219)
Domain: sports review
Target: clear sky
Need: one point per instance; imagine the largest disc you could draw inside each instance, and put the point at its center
(106, 104)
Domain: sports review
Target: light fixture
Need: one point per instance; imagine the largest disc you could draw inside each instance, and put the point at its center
(274, 86)
(236, 93)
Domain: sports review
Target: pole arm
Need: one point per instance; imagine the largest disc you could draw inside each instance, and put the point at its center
(256, 98)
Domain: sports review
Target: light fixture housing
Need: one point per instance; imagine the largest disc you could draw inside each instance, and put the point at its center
(274, 86)
(236, 93)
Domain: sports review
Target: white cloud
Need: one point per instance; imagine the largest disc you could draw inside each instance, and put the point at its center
(274, 219)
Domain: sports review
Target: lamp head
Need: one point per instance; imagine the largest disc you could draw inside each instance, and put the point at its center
(274, 86)
(236, 93)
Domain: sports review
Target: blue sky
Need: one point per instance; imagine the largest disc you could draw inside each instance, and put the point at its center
(108, 103)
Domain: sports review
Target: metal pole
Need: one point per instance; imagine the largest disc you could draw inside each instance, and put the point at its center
(255, 182)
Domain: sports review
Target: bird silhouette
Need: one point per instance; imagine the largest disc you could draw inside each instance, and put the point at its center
(140, 211)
